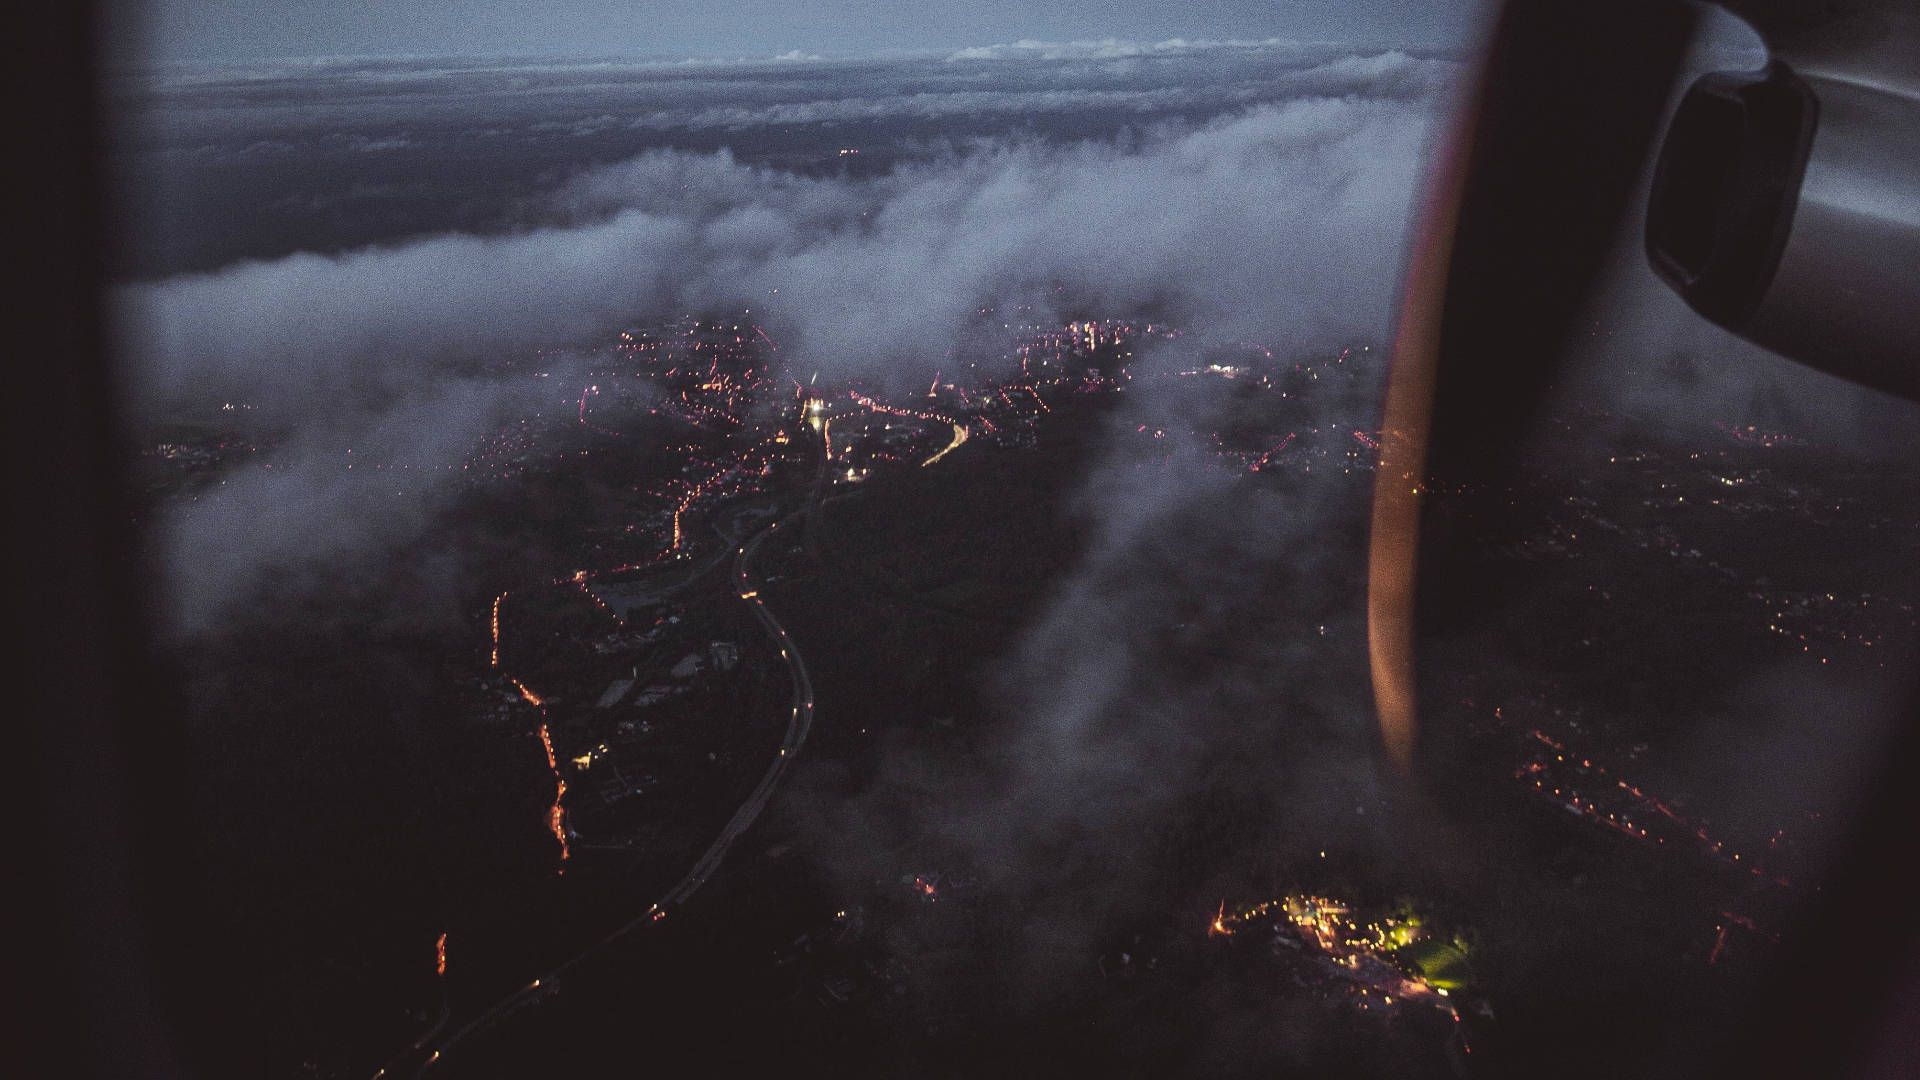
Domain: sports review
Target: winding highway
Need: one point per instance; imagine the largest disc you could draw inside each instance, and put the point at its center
(428, 1051)
(798, 725)
(430, 1048)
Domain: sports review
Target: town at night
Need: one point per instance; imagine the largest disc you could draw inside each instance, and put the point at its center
(769, 589)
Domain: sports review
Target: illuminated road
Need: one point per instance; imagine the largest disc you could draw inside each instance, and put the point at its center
(800, 722)
(427, 1051)
(420, 1044)
(959, 436)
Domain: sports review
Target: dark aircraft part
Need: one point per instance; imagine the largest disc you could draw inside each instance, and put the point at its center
(1785, 209)
(1786, 204)
(1844, 296)
(1523, 211)
(1726, 186)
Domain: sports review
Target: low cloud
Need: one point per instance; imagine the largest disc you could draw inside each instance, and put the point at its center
(1389, 74)
(1204, 656)
(1109, 49)
(443, 100)
(313, 512)
(1278, 222)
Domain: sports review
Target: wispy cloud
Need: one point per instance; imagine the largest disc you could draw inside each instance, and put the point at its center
(1279, 221)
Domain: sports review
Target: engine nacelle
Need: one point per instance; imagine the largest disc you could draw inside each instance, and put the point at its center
(1786, 208)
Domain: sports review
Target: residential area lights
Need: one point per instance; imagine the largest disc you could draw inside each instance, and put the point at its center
(729, 457)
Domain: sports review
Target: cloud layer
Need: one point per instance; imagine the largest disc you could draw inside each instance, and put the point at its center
(1280, 222)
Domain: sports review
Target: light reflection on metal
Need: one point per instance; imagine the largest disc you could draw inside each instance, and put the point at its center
(1393, 556)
